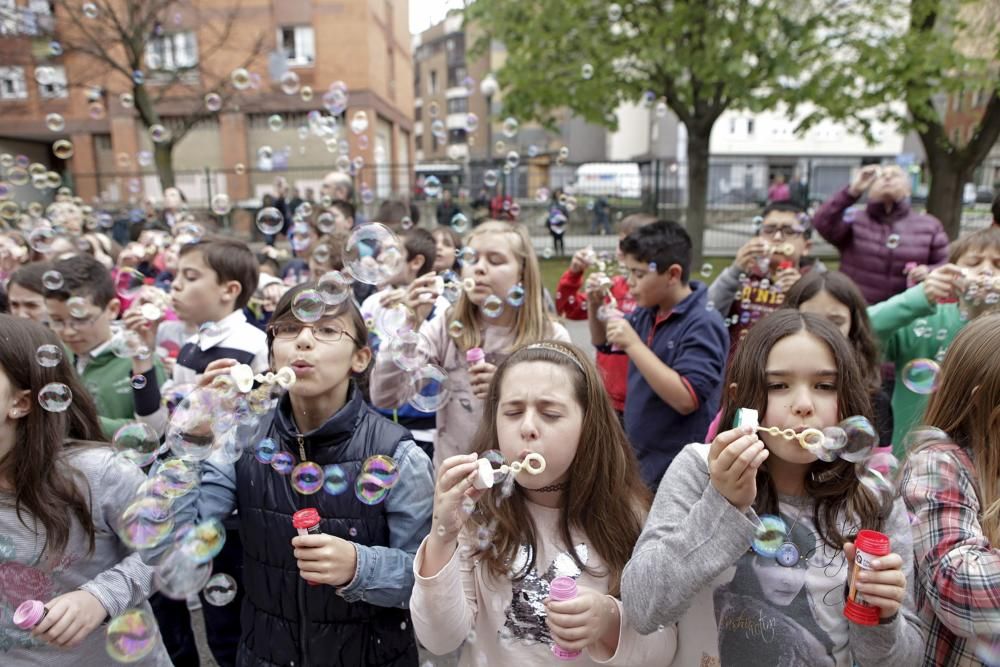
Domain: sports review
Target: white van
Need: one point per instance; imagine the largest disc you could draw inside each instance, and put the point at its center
(610, 179)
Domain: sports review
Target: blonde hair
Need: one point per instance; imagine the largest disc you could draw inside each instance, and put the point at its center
(973, 421)
(532, 323)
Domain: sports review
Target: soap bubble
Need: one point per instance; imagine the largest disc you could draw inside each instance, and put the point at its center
(405, 351)
(220, 590)
(920, 376)
(513, 159)
(892, 242)
(378, 475)
(131, 636)
(861, 439)
(308, 478)
(706, 270)
(52, 280)
(359, 122)
(270, 221)
(203, 541)
(137, 442)
(432, 187)
(126, 344)
(290, 83)
(335, 479)
(455, 328)
(283, 463)
(265, 450)
(77, 306)
(275, 122)
(430, 388)
(308, 306)
(471, 122)
(492, 306)
(55, 397)
(128, 282)
(197, 420)
(138, 381)
(394, 320)
(146, 522)
(460, 223)
(510, 127)
(769, 535)
(614, 12)
(55, 122)
(834, 438)
(333, 288)
(922, 436)
(63, 149)
(178, 476)
(490, 178)
(221, 205)
(587, 71)
(880, 473)
(41, 239)
(467, 256)
(988, 649)
(158, 133)
(179, 577)
(240, 78)
(515, 296)
(48, 355)
(373, 254)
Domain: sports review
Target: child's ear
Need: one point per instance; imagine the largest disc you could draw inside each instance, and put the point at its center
(231, 290)
(807, 247)
(21, 405)
(732, 391)
(360, 359)
(114, 307)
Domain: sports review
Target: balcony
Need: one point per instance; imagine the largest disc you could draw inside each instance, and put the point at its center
(22, 22)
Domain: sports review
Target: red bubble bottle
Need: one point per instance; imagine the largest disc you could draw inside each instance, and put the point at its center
(870, 545)
(306, 522)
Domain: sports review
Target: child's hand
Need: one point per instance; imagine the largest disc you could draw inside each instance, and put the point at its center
(581, 259)
(325, 559)
(942, 283)
(454, 485)
(786, 278)
(918, 273)
(392, 297)
(71, 617)
(480, 376)
(621, 334)
(884, 586)
(733, 460)
(582, 621)
(421, 295)
(746, 256)
(215, 369)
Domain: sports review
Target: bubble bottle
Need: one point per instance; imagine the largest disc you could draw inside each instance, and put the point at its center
(29, 614)
(306, 522)
(560, 590)
(474, 355)
(870, 545)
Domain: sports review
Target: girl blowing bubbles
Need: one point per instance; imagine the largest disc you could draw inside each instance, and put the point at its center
(485, 579)
(952, 486)
(687, 567)
(59, 500)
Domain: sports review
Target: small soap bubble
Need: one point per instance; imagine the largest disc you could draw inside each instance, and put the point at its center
(178, 576)
(587, 71)
(128, 282)
(879, 473)
(240, 78)
(221, 204)
(333, 287)
(203, 541)
(307, 478)
(132, 635)
(137, 442)
(861, 439)
(308, 306)
(373, 254)
(467, 256)
(834, 438)
(430, 388)
(406, 352)
(769, 535)
(378, 475)
(921, 375)
(614, 12)
(55, 397)
(988, 650)
(510, 127)
(706, 270)
(492, 306)
(48, 355)
(283, 463)
(52, 280)
(432, 187)
(922, 436)
(892, 242)
(394, 320)
(352, 531)
(335, 480)
(270, 220)
(220, 590)
(41, 238)
(460, 223)
(455, 328)
(652, 266)
(179, 477)
(265, 450)
(515, 296)
(146, 522)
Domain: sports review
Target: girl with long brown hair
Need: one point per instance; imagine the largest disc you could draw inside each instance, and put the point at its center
(501, 307)
(951, 484)
(484, 572)
(721, 503)
(61, 495)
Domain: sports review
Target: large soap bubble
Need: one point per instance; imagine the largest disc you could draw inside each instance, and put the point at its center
(373, 254)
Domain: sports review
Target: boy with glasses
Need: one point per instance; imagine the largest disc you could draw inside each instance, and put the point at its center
(764, 270)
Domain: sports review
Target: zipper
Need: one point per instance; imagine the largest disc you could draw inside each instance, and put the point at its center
(301, 588)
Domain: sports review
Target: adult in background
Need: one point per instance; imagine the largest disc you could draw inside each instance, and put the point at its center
(885, 243)
(447, 209)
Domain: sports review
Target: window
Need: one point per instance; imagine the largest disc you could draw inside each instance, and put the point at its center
(419, 141)
(172, 52)
(457, 137)
(12, 85)
(43, 7)
(432, 83)
(418, 113)
(298, 44)
(750, 126)
(55, 85)
(458, 105)
(456, 76)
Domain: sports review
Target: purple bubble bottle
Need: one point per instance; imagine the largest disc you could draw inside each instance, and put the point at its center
(560, 590)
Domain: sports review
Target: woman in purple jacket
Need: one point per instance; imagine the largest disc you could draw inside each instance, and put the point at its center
(882, 243)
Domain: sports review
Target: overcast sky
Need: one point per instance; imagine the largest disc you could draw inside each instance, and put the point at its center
(425, 13)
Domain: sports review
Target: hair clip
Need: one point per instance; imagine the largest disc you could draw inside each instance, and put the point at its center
(557, 349)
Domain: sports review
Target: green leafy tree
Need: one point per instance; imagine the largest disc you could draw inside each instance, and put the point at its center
(700, 57)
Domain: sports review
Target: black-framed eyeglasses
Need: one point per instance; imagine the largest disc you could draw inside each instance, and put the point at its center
(787, 231)
(75, 323)
(325, 333)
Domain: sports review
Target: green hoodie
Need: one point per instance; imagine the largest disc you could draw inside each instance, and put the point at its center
(108, 378)
(910, 327)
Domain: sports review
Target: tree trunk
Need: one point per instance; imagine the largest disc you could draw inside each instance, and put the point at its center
(163, 156)
(944, 200)
(697, 157)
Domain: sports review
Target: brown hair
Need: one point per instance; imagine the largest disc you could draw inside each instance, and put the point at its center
(976, 241)
(419, 241)
(860, 335)
(230, 260)
(532, 322)
(335, 242)
(604, 497)
(630, 223)
(966, 406)
(833, 486)
(45, 485)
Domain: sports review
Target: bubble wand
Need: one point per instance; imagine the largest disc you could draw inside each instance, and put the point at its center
(810, 438)
(533, 463)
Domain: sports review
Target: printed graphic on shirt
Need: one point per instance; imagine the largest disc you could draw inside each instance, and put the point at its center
(18, 583)
(525, 616)
(784, 615)
(756, 298)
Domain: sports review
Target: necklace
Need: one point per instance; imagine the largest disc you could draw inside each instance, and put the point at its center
(552, 487)
(788, 553)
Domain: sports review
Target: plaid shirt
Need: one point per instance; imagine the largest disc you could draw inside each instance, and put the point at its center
(958, 572)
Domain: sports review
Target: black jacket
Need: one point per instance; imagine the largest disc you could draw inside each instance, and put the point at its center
(284, 620)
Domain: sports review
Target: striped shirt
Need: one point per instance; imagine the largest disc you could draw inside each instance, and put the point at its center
(232, 337)
(958, 570)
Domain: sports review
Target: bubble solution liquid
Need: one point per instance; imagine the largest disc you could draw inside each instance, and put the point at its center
(870, 545)
(560, 590)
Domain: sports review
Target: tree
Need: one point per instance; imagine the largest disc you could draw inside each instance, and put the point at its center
(944, 50)
(700, 57)
(128, 46)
